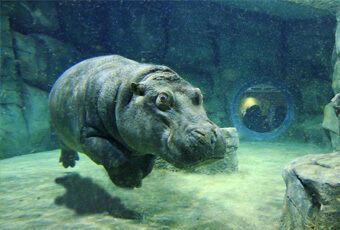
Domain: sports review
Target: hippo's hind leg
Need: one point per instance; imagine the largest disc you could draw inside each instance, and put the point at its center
(68, 157)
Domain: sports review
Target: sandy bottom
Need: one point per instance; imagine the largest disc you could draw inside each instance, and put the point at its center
(38, 193)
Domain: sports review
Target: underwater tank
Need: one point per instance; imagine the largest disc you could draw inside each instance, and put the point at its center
(170, 114)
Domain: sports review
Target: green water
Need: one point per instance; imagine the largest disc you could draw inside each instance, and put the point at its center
(249, 199)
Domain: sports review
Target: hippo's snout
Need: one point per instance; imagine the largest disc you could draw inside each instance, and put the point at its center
(197, 144)
(204, 136)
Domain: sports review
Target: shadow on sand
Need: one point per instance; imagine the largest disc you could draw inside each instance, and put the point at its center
(85, 197)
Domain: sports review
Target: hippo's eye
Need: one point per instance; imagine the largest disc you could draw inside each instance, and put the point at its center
(163, 101)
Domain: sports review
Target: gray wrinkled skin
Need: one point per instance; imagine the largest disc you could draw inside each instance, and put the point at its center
(122, 114)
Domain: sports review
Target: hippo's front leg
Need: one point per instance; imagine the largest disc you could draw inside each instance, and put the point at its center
(131, 173)
(103, 152)
(123, 171)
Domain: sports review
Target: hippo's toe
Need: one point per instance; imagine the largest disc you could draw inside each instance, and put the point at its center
(68, 158)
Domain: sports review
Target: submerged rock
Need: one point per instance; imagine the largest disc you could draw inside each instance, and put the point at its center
(312, 199)
(331, 122)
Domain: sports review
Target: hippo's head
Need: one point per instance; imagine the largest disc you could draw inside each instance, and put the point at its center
(165, 117)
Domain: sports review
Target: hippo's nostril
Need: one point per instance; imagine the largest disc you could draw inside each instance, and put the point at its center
(205, 138)
(213, 140)
(199, 132)
(199, 136)
(214, 132)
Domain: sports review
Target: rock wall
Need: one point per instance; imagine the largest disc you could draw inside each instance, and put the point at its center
(331, 119)
(30, 63)
(214, 46)
(308, 67)
(336, 59)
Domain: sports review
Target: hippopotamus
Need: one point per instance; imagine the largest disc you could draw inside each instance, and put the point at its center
(122, 114)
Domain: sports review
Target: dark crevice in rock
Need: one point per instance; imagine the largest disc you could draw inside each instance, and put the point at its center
(295, 206)
(309, 218)
(41, 41)
(19, 80)
(9, 103)
(214, 37)
(38, 85)
(321, 165)
(47, 56)
(312, 194)
(17, 49)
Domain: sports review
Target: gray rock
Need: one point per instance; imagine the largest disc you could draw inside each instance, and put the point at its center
(145, 34)
(312, 199)
(88, 25)
(12, 121)
(38, 125)
(315, 94)
(336, 71)
(36, 53)
(331, 122)
(32, 16)
(309, 131)
(230, 160)
(13, 131)
(337, 33)
(336, 77)
(309, 59)
(192, 29)
(330, 6)
(7, 74)
(336, 102)
(24, 126)
(303, 9)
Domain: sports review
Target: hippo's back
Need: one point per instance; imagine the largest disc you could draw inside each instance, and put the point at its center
(73, 98)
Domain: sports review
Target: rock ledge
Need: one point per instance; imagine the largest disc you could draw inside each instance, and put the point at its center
(312, 199)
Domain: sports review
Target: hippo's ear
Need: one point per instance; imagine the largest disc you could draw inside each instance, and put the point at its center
(137, 88)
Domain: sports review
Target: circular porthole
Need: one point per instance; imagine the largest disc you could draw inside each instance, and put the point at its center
(262, 110)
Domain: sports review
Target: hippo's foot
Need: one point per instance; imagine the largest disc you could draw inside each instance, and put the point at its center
(68, 157)
(126, 175)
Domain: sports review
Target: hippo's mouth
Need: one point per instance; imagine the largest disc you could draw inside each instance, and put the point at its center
(181, 164)
(185, 157)
(205, 162)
